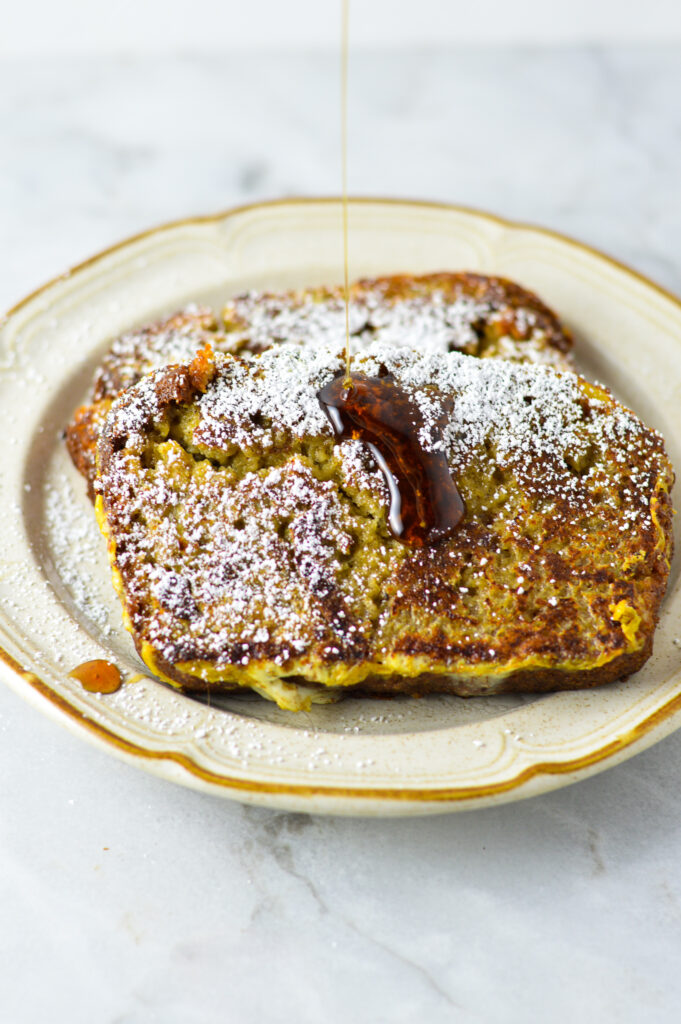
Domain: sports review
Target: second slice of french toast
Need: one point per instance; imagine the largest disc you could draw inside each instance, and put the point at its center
(484, 316)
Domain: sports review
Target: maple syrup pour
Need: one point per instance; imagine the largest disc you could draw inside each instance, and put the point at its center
(98, 676)
(425, 504)
(345, 18)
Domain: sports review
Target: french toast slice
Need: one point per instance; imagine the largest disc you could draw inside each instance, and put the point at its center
(252, 550)
(483, 316)
(489, 317)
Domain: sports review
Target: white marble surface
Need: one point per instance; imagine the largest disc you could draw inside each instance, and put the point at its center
(124, 899)
(79, 26)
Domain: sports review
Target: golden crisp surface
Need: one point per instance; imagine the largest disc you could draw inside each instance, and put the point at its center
(484, 316)
(250, 550)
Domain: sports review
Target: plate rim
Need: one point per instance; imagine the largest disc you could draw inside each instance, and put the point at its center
(225, 784)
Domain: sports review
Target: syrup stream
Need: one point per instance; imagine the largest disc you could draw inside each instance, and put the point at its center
(345, 18)
(424, 503)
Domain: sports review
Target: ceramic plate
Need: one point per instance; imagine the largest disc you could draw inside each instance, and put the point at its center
(57, 607)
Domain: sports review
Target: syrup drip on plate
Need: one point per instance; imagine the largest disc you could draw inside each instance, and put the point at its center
(425, 504)
(98, 676)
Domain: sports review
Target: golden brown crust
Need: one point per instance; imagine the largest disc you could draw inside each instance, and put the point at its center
(525, 681)
(500, 293)
(81, 435)
(138, 352)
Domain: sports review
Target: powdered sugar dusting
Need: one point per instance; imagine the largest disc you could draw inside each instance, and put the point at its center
(76, 547)
(427, 323)
(174, 340)
(423, 316)
(243, 544)
(530, 411)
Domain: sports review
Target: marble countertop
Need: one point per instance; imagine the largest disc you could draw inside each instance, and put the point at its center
(127, 900)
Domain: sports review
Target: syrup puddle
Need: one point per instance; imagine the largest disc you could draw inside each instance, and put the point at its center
(425, 504)
(98, 676)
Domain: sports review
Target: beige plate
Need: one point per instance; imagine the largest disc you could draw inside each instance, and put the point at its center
(359, 757)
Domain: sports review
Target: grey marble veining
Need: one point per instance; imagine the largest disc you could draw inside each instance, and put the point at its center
(129, 901)
(585, 141)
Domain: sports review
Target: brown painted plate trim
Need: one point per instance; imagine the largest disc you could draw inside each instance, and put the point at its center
(428, 795)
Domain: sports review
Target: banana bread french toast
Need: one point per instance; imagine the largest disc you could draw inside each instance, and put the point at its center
(251, 550)
(484, 316)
